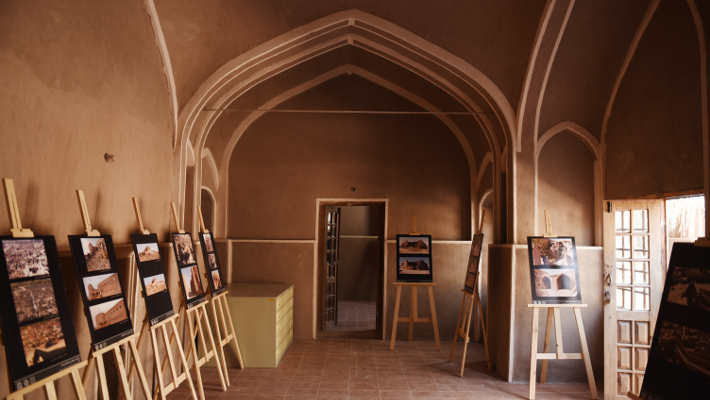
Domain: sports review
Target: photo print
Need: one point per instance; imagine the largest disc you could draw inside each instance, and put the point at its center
(209, 247)
(553, 251)
(413, 244)
(555, 282)
(154, 284)
(108, 313)
(470, 282)
(158, 303)
(35, 315)
(34, 299)
(147, 252)
(191, 282)
(554, 276)
(472, 265)
(184, 252)
(216, 280)
(690, 287)
(102, 286)
(414, 265)
(476, 244)
(95, 254)
(473, 261)
(211, 260)
(685, 347)
(25, 258)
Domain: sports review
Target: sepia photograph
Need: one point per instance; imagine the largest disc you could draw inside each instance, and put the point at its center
(185, 254)
(25, 258)
(209, 247)
(555, 283)
(686, 347)
(191, 281)
(148, 252)
(95, 254)
(472, 265)
(476, 244)
(101, 286)
(213, 261)
(414, 265)
(154, 284)
(216, 280)
(413, 245)
(547, 251)
(108, 313)
(34, 299)
(690, 287)
(470, 280)
(43, 341)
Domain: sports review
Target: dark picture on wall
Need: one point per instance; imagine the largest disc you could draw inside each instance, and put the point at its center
(216, 281)
(413, 244)
(184, 252)
(554, 274)
(35, 315)
(473, 261)
(679, 359)
(414, 258)
(158, 302)
(101, 289)
(189, 271)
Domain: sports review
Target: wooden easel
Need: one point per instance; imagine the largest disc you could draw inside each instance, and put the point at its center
(220, 302)
(177, 378)
(195, 317)
(553, 314)
(97, 355)
(467, 305)
(13, 211)
(413, 304)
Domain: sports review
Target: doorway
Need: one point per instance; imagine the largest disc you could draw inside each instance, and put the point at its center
(351, 243)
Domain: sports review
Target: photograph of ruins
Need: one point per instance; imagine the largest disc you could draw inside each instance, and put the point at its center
(555, 283)
(470, 280)
(108, 313)
(209, 247)
(191, 282)
(95, 254)
(472, 265)
(25, 258)
(414, 265)
(686, 347)
(184, 252)
(34, 299)
(148, 252)
(43, 341)
(102, 286)
(212, 261)
(546, 251)
(216, 280)
(154, 284)
(413, 245)
(690, 287)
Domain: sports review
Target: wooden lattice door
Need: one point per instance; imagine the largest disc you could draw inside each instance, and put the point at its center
(633, 285)
(330, 265)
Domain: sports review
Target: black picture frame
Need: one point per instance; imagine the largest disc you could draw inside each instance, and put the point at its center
(54, 310)
(192, 289)
(414, 258)
(154, 281)
(554, 272)
(215, 277)
(96, 264)
(682, 314)
(474, 260)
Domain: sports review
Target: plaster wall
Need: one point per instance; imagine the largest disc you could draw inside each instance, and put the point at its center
(359, 253)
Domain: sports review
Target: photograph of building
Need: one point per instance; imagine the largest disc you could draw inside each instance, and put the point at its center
(414, 245)
(191, 282)
(212, 261)
(216, 280)
(690, 287)
(108, 313)
(42, 341)
(101, 286)
(184, 249)
(209, 247)
(414, 265)
(25, 258)
(148, 252)
(555, 282)
(34, 299)
(154, 284)
(684, 346)
(95, 254)
(552, 251)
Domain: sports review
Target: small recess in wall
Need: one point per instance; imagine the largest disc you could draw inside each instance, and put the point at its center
(352, 189)
(108, 157)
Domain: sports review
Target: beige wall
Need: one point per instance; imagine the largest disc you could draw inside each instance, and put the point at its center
(358, 263)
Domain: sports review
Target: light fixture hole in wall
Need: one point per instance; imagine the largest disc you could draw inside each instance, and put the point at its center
(352, 189)
(108, 157)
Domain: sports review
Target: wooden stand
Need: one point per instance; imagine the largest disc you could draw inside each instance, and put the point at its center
(413, 311)
(553, 314)
(465, 317)
(195, 318)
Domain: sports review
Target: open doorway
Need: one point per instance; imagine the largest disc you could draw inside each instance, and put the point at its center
(351, 268)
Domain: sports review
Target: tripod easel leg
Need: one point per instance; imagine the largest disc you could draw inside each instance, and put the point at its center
(483, 327)
(467, 320)
(396, 315)
(232, 332)
(433, 317)
(546, 348)
(533, 353)
(585, 353)
(412, 311)
(458, 326)
(78, 387)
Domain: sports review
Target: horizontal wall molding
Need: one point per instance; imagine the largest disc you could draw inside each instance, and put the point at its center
(280, 241)
(391, 241)
(357, 237)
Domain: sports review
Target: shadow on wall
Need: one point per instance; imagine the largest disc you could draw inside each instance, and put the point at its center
(358, 262)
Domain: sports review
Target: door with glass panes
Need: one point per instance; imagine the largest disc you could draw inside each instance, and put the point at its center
(633, 273)
(330, 272)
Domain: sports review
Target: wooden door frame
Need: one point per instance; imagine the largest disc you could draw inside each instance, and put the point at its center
(318, 261)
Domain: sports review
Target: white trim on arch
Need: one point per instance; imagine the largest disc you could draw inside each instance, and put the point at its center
(214, 206)
(209, 158)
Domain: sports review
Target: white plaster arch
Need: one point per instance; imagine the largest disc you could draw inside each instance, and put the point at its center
(484, 197)
(595, 149)
(487, 159)
(209, 159)
(391, 42)
(214, 205)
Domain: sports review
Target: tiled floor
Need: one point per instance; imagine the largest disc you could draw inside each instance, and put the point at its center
(345, 369)
(355, 316)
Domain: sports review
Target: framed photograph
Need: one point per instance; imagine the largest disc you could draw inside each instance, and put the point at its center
(473, 262)
(407, 244)
(101, 289)
(414, 258)
(216, 283)
(680, 350)
(554, 274)
(158, 302)
(192, 289)
(35, 314)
